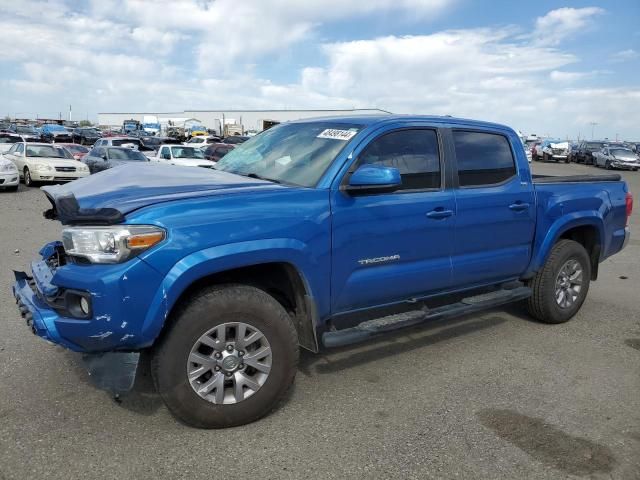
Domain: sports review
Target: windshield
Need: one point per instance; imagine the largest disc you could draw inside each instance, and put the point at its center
(25, 129)
(125, 141)
(186, 152)
(593, 146)
(91, 131)
(622, 152)
(295, 153)
(42, 151)
(126, 155)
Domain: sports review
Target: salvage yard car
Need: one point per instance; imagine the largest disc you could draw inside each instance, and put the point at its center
(86, 136)
(104, 158)
(616, 157)
(43, 162)
(52, 132)
(9, 178)
(315, 233)
(553, 150)
(181, 155)
(584, 152)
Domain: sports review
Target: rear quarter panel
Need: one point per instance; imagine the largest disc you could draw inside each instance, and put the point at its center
(563, 206)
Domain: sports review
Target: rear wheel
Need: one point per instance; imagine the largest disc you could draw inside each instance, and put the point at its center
(228, 358)
(561, 286)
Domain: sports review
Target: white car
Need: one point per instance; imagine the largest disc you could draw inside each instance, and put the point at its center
(182, 155)
(45, 162)
(202, 141)
(555, 150)
(9, 177)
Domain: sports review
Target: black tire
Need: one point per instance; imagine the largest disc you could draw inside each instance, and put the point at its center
(206, 309)
(545, 157)
(28, 182)
(542, 304)
(607, 165)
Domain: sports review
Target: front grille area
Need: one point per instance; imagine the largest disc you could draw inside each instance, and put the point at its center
(559, 151)
(64, 179)
(65, 169)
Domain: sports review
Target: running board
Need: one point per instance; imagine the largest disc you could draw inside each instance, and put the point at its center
(372, 328)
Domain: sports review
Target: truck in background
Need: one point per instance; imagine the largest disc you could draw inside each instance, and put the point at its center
(151, 125)
(131, 126)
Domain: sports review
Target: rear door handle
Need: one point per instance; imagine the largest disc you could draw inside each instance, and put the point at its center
(519, 206)
(439, 213)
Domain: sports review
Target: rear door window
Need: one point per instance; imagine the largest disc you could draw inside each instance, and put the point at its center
(483, 158)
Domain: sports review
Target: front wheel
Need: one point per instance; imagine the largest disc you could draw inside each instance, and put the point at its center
(228, 358)
(607, 165)
(561, 286)
(28, 182)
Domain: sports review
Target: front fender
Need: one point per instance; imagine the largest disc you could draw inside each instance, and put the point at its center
(218, 259)
(562, 224)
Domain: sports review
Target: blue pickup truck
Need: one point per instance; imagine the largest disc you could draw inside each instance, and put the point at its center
(315, 233)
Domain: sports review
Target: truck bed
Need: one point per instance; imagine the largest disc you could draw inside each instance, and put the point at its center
(612, 177)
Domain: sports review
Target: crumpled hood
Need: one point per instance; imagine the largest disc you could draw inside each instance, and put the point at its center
(564, 145)
(106, 197)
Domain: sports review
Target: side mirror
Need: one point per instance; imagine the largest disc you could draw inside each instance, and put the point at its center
(103, 156)
(374, 179)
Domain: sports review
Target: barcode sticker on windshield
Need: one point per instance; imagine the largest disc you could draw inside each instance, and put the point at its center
(337, 134)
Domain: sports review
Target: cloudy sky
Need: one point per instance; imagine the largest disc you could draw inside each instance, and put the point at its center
(540, 66)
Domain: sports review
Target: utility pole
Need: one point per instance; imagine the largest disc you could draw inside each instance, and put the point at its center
(593, 124)
(69, 112)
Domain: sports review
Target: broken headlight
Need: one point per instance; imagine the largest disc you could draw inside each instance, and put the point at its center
(110, 244)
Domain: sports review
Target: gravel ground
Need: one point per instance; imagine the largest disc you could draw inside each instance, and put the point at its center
(495, 395)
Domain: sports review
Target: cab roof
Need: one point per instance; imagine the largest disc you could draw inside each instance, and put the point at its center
(369, 120)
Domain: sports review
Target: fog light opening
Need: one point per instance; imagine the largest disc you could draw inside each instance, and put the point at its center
(84, 305)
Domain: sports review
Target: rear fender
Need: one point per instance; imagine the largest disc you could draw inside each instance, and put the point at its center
(560, 226)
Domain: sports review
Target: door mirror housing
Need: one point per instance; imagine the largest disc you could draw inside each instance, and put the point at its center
(374, 179)
(103, 156)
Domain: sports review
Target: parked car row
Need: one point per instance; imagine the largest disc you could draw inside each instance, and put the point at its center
(600, 153)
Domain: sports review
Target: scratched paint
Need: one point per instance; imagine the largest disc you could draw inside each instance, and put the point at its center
(106, 318)
(125, 337)
(102, 335)
(123, 324)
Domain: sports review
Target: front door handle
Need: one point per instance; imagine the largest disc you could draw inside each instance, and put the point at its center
(519, 206)
(439, 213)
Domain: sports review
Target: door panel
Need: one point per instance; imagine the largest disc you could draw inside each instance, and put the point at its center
(495, 218)
(386, 249)
(390, 247)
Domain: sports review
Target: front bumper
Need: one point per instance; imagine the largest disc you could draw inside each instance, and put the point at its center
(55, 176)
(625, 165)
(119, 295)
(8, 179)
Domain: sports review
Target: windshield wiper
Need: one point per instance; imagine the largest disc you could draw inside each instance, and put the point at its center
(260, 177)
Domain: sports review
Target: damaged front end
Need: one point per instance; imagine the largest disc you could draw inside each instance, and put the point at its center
(86, 307)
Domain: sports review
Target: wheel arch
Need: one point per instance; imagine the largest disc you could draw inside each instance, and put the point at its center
(587, 229)
(277, 274)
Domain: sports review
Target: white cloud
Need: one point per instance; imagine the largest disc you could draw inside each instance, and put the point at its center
(122, 55)
(555, 26)
(625, 55)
